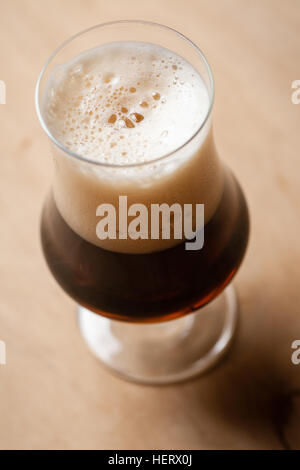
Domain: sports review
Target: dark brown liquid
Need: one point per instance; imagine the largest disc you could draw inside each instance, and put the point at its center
(149, 287)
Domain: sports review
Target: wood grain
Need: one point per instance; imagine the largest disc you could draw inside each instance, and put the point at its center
(53, 393)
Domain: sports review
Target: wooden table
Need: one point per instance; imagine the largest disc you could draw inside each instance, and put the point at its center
(53, 393)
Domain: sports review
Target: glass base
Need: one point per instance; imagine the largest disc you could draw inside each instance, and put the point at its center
(167, 352)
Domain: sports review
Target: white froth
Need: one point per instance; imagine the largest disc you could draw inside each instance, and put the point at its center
(125, 103)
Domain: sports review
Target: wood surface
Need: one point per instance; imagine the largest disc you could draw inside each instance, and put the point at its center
(53, 392)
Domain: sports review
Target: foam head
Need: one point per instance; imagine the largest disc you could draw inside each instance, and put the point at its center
(126, 103)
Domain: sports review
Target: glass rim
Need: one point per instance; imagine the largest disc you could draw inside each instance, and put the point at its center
(81, 158)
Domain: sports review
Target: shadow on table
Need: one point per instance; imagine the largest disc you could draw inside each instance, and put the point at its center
(250, 392)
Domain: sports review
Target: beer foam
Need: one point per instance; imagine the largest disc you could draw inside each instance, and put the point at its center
(127, 103)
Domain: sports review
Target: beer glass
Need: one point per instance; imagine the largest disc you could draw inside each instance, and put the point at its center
(154, 314)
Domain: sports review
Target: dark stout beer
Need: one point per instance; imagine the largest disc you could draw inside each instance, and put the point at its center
(155, 286)
(136, 118)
